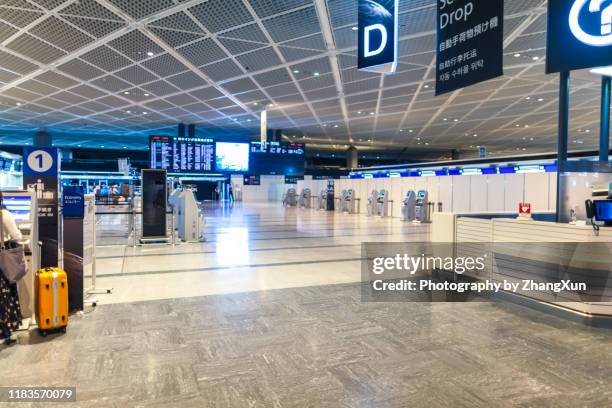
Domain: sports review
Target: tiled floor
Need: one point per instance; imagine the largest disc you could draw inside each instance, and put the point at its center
(299, 335)
(254, 247)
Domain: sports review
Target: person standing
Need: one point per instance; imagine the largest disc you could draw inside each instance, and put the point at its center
(10, 309)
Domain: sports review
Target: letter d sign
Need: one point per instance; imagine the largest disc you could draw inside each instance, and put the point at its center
(378, 35)
(367, 52)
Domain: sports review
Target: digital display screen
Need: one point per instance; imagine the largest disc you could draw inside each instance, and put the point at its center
(293, 179)
(252, 181)
(182, 155)
(232, 157)
(421, 195)
(277, 158)
(603, 210)
(18, 206)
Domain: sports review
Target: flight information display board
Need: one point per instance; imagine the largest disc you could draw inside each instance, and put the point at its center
(182, 155)
(277, 158)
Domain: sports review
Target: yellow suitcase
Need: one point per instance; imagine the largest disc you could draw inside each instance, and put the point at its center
(51, 300)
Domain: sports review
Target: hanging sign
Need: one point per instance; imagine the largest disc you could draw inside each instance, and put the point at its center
(470, 43)
(41, 168)
(579, 35)
(378, 30)
(263, 121)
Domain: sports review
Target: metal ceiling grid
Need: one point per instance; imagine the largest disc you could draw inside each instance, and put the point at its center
(125, 67)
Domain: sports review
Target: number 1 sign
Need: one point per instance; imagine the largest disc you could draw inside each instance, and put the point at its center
(40, 161)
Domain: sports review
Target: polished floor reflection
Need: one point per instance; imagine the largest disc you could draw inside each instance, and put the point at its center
(248, 248)
(178, 334)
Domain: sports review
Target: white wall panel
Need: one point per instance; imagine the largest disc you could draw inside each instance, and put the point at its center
(536, 191)
(496, 194)
(552, 191)
(478, 193)
(461, 193)
(445, 193)
(433, 188)
(515, 191)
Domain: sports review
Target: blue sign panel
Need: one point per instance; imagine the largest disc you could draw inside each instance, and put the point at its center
(378, 35)
(73, 202)
(470, 44)
(40, 161)
(482, 152)
(579, 35)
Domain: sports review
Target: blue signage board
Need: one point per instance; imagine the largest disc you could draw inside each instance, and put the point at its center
(378, 30)
(470, 44)
(41, 167)
(579, 35)
(40, 161)
(73, 202)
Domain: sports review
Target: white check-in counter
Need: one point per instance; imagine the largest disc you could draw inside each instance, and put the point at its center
(511, 239)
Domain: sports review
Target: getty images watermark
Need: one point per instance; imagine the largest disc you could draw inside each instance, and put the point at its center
(456, 272)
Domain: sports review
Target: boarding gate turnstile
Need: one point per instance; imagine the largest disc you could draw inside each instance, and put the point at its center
(290, 199)
(348, 202)
(408, 206)
(422, 207)
(382, 207)
(305, 199)
(321, 201)
(372, 203)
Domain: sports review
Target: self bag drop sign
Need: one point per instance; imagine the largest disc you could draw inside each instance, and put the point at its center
(378, 35)
(579, 34)
(470, 43)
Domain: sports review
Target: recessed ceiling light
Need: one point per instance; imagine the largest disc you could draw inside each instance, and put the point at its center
(410, 131)
(475, 135)
(517, 125)
(517, 55)
(18, 103)
(587, 131)
(540, 99)
(150, 54)
(372, 113)
(359, 113)
(445, 119)
(426, 86)
(296, 71)
(455, 120)
(535, 58)
(316, 74)
(528, 98)
(271, 105)
(355, 28)
(255, 104)
(526, 126)
(146, 94)
(144, 113)
(335, 126)
(129, 111)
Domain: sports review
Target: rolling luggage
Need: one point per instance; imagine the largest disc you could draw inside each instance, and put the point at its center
(51, 300)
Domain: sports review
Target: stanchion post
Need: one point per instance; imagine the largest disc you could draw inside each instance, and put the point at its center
(604, 135)
(562, 136)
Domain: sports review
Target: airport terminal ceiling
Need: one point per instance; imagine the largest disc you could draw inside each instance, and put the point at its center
(111, 72)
